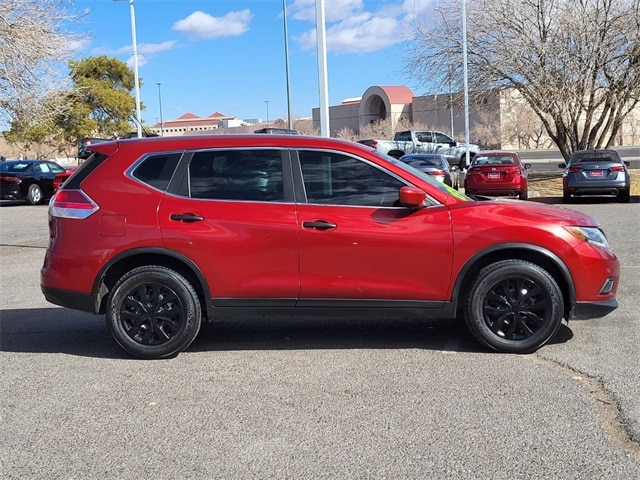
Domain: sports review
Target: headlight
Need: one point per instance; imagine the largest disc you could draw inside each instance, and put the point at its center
(590, 234)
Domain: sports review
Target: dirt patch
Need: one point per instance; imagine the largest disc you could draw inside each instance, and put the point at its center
(552, 187)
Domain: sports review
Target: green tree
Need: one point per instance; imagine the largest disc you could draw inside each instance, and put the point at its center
(101, 103)
(98, 104)
(575, 62)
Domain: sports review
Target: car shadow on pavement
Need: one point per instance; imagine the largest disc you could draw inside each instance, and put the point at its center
(57, 330)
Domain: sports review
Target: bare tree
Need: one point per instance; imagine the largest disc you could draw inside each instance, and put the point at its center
(575, 62)
(35, 44)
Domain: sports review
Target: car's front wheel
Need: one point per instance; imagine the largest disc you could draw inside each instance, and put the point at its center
(514, 306)
(153, 312)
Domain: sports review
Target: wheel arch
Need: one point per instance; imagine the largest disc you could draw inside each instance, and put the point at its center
(126, 261)
(516, 251)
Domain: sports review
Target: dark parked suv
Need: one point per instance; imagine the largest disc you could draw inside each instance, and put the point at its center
(162, 234)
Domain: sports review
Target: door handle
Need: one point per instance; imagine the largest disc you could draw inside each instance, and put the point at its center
(319, 225)
(186, 217)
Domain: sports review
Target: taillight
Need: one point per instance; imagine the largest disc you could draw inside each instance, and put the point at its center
(437, 173)
(72, 204)
(473, 171)
(374, 143)
(574, 169)
(617, 168)
(6, 178)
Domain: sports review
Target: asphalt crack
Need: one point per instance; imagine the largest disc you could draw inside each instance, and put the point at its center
(608, 413)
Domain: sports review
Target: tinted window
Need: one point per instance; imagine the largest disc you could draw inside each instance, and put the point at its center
(442, 138)
(254, 175)
(157, 170)
(54, 167)
(425, 137)
(332, 178)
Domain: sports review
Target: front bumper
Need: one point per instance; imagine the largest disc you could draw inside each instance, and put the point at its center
(587, 310)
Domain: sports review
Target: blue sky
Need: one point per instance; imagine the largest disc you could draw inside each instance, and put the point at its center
(228, 56)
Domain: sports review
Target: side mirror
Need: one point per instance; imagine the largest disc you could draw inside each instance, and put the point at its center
(562, 165)
(527, 166)
(412, 197)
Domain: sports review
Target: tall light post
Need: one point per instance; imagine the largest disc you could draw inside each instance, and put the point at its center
(465, 77)
(267, 102)
(286, 62)
(136, 80)
(321, 45)
(160, 104)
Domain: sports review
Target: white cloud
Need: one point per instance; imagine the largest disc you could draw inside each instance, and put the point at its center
(145, 51)
(353, 29)
(334, 10)
(201, 25)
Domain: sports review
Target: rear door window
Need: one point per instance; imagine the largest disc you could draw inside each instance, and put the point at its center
(252, 175)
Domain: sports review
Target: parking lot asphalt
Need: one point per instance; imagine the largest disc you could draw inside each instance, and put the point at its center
(313, 398)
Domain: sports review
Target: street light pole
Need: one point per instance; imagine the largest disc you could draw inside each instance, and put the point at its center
(136, 80)
(267, 102)
(160, 103)
(286, 62)
(465, 77)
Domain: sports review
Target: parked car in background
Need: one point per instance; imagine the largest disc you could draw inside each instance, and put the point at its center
(497, 174)
(61, 178)
(30, 180)
(163, 234)
(431, 164)
(277, 131)
(596, 172)
(424, 141)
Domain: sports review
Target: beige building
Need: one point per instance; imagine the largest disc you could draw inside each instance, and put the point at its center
(498, 119)
(189, 124)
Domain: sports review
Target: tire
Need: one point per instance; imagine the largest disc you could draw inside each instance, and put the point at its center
(514, 306)
(625, 197)
(524, 195)
(566, 197)
(34, 195)
(153, 312)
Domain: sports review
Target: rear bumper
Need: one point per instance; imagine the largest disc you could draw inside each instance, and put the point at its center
(75, 300)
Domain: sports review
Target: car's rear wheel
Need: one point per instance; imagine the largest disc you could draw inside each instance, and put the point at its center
(34, 195)
(524, 195)
(514, 306)
(625, 196)
(153, 312)
(566, 197)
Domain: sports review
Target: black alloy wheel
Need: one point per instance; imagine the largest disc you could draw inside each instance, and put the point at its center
(153, 312)
(514, 306)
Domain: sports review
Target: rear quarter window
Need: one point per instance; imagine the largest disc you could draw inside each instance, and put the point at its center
(156, 170)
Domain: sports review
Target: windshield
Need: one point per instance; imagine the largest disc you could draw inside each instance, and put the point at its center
(424, 176)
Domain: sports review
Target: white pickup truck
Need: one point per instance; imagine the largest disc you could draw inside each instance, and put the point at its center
(420, 141)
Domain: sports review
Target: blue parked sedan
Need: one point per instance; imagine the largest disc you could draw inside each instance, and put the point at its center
(596, 172)
(30, 180)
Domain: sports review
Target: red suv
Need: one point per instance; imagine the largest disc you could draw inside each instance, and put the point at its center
(161, 234)
(497, 174)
